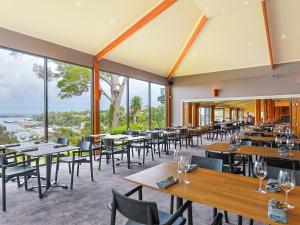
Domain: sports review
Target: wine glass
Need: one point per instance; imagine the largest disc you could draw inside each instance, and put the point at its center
(176, 157)
(290, 144)
(278, 141)
(287, 183)
(260, 171)
(184, 165)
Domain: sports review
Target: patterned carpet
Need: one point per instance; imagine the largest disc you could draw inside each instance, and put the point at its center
(87, 203)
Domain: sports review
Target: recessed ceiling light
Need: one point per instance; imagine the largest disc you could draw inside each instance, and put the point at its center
(246, 3)
(111, 20)
(77, 3)
(283, 36)
(224, 9)
(249, 43)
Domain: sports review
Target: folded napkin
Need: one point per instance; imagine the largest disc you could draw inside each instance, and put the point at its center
(276, 211)
(59, 146)
(12, 145)
(192, 168)
(167, 182)
(29, 149)
(273, 185)
(231, 148)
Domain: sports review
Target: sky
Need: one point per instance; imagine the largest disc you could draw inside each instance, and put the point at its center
(22, 92)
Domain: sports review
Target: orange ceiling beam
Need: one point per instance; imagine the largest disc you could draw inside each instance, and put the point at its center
(264, 9)
(138, 25)
(188, 45)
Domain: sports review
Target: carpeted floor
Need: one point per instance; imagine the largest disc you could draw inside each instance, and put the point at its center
(87, 203)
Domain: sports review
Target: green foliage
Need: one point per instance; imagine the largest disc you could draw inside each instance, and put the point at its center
(137, 127)
(135, 107)
(7, 137)
(118, 130)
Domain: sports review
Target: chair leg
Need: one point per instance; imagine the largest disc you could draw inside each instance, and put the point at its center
(113, 163)
(57, 168)
(172, 204)
(226, 216)
(3, 191)
(72, 175)
(240, 220)
(69, 164)
(152, 154)
(91, 166)
(26, 183)
(78, 169)
(100, 162)
(251, 222)
(215, 212)
(39, 180)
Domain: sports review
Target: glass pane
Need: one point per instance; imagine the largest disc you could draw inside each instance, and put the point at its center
(21, 97)
(138, 105)
(219, 115)
(113, 103)
(158, 106)
(69, 104)
(204, 113)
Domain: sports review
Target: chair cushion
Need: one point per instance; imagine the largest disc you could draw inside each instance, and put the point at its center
(18, 170)
(163, 218)
(70, 158)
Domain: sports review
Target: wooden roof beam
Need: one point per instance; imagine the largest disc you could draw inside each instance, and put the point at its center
(134, 28)
(265, 14)
(188, 45)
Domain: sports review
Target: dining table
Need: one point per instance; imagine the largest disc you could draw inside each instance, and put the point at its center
(224, 191)
(43, 149)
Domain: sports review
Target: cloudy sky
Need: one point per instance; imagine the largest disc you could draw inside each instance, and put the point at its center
(22, 92)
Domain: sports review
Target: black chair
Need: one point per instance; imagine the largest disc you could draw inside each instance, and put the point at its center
(62, 141)
(83, 155)
(211, 164)
(10, 170)
(282, 163)
(229, 165)
(274, 171)
(141, 212)
(110, 149)
(156, 141)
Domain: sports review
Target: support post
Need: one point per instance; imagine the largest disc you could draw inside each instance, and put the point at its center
(96, 99)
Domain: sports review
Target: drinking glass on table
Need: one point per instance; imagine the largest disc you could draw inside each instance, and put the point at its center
(290, 144)
(287, 183)
(278, 141)
(260, 171)
(176, 157)
(184, 165)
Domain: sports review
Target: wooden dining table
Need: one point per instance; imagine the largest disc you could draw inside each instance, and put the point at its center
(224, 191)
(267, 139)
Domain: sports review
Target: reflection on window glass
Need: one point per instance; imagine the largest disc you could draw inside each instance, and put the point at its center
(233, 115)
(113, 117)
(158, 107)
(21, 97)
(219, 114)
(204, 116)
(69, 94)
(138, 105)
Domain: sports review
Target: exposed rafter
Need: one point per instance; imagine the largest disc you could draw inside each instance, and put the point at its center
(265, 14)
(188, 45)
(138, 25)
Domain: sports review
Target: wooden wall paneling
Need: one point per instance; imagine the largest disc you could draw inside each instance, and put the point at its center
(212, 113)
(264, 110)
(270, 110)
(257, 111)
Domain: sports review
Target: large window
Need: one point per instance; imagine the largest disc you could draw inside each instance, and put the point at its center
(158, 106)
(138, 104)
(21, 97)
(219, 114)
(69, 101)
(113, 104)
(204, 116)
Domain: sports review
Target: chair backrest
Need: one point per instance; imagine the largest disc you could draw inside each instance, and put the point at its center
(84, 145)
(246, 142)
(154, 135)
(274, 171)
(217, 220)
(142, 212)
(3, 159)
(135, 133)
(63, 141)
(127, 132)
(108, 142)
(89, 139)
(281, 163)
(223, 156)
(207, 163)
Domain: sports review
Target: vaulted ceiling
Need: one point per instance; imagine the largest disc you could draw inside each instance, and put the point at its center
(233, 37)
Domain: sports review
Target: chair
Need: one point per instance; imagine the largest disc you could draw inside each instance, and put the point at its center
(111, 149)
(274, 171)
(62, 141)
(10, 170)
(282, 163)
(211, 164)
(83, 155)
(141, 212)
(156, 140)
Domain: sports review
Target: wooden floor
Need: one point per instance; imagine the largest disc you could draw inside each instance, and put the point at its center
(87, 203)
